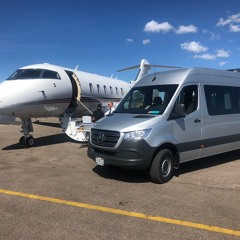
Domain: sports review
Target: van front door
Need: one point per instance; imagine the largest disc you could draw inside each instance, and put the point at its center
(187, 127)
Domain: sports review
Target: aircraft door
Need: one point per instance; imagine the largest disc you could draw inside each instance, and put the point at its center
(76, 91)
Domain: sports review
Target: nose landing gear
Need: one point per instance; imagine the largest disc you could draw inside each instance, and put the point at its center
(27, 139)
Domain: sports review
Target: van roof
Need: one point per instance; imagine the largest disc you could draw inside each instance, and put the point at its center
(178, 76)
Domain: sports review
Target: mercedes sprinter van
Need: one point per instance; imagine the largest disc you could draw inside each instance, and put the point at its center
(168, 118)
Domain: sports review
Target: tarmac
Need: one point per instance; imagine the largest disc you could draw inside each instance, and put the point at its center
(54, 191)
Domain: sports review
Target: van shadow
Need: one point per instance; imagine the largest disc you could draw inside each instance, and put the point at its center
(123, 175)
(132, 176)
(208, 162)
(43, 141)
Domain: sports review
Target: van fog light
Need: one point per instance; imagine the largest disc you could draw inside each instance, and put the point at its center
(139, 134)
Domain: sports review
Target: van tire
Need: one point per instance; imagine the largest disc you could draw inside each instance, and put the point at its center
(162, 167)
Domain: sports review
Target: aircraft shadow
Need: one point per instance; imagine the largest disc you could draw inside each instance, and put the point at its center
(125, 175)
(43, 141)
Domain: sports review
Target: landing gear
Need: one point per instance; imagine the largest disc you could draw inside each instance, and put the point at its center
(27, 139)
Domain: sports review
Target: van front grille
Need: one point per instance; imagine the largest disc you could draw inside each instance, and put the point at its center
(104, 138)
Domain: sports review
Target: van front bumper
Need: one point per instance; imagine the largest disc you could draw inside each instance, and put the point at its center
(131, 154)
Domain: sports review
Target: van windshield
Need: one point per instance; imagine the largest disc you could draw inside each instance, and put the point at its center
(147, 99)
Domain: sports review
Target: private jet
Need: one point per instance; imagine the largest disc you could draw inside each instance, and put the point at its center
(46, 90)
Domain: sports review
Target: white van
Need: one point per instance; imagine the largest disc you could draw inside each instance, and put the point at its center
(169, 118)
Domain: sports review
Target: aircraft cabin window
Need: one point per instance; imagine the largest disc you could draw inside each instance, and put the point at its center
(122, 92)
(91, 88)
(117, 92)
(98, 88)
(105, 89)
(111, 90)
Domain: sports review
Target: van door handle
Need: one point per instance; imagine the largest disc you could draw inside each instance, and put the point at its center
(197, 120)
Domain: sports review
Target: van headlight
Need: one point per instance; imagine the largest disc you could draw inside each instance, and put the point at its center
(139, 134)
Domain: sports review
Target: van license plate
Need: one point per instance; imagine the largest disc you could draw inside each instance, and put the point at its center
(99, 161)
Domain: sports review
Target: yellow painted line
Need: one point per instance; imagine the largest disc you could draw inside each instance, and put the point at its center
(126, 213)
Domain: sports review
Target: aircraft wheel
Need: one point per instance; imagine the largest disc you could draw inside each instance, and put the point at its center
(30, 141)
(22, 140)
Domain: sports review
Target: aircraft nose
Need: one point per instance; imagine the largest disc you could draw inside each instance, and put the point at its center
(5, 99)
(3, 107)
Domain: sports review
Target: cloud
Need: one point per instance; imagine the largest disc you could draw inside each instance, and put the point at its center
(193, 47)
(186, 29)
(234, 28)
(155, 27)
(213, 36)
(232, 21)
(222, 63)
(146, 41)
(222, 53)
(206, 56)
(222, 22)
(129, 40)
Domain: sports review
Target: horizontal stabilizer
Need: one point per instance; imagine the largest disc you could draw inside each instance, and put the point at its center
(144, 67)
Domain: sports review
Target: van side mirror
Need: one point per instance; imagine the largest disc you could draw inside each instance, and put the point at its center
(178, 112)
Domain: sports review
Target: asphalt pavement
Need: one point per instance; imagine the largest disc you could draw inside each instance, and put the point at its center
(54, 191)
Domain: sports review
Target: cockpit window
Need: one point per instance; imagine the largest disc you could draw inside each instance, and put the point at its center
(25, 74)
(34, 74)
(50, 74)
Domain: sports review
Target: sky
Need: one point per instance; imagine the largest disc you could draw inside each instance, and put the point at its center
(103, 36)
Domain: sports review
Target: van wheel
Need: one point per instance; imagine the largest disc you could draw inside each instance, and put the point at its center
(162, 167)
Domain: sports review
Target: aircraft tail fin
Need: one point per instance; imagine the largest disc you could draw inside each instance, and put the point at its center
(144, 68)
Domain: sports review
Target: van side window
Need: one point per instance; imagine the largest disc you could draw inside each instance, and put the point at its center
(222, 99)
(188, 97)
